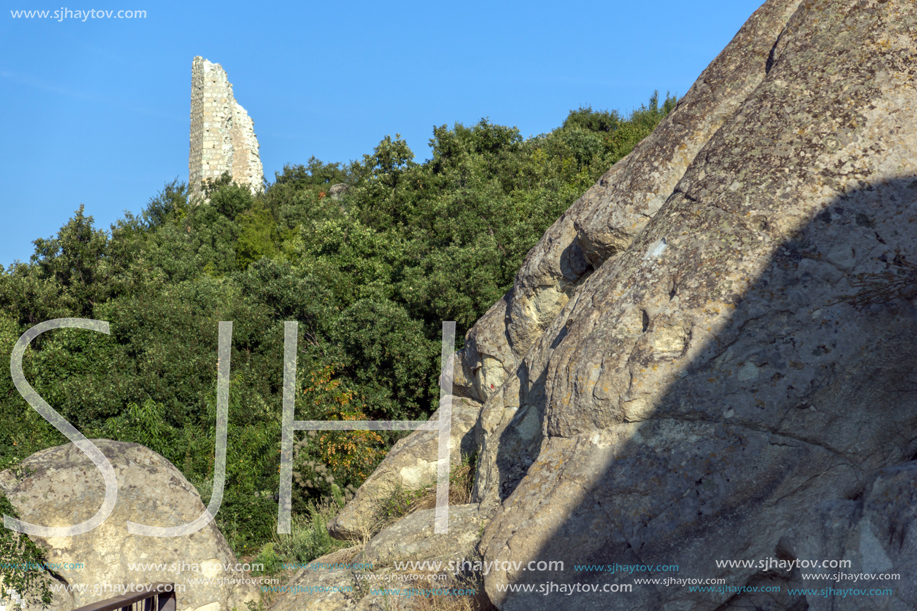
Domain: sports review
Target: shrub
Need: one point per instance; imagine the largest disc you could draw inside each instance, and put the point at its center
(268, 559)
(309, 538)
(327, 460)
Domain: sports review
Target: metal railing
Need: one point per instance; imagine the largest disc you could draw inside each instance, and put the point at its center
(156, 597)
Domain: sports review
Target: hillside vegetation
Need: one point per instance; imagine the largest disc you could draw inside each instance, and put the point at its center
(370, 277)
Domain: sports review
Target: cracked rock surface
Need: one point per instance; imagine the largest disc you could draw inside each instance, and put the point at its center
(605, 220)
(410, 465)
(732, 353)
(60, 486)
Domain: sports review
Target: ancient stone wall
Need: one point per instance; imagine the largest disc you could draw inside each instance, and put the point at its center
(222, 134)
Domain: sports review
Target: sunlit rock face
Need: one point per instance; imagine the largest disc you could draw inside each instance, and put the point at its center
(604, 221)
(60, 487)
(735, 341)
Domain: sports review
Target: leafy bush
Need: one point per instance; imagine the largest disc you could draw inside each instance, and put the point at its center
(325, 461)
(268, 559)
(308, 538)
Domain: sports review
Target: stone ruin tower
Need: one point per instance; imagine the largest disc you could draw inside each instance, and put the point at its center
(222, 134)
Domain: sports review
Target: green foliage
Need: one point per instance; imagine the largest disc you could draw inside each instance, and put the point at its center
(75, 267)
(387, 355)
(338, 495)
(595, 121)
(369, 277)
(213, 185)
(314, 173)
(20, 562)
(308, 538)
(170, 203)
(268, 559)
(258, 235)
(324, 461)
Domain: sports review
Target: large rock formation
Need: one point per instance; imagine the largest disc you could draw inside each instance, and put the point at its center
(872, 533)
(605, 220)
(361, 578)
(60, 487)
(412, 538)
(410, 465)
(222, 134)
(713, 340)
(328, 588)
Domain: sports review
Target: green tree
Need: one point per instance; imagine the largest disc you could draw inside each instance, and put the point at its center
(259, 235)
(76, 261)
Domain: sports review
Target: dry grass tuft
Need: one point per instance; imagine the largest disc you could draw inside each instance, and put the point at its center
(401, 502)
(900, 283)
(460, 483)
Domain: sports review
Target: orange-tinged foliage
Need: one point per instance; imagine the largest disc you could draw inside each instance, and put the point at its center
(354, 453)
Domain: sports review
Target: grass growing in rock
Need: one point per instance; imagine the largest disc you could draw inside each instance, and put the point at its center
(308, 540)
(402, 502)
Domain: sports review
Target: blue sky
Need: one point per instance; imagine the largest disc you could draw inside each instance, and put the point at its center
(97, 111)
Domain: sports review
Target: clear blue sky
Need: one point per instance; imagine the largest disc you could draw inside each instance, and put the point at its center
(97, 111)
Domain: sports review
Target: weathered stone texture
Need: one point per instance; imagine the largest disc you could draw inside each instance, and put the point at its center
(410, 465)
(411, 539)
(604, 221)
(222, 134)
(331, 589)
(708, 382)
(338, 191)
(60, 486)
(874, 533)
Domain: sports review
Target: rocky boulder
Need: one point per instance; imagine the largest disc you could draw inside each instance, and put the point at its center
(338, 191)
(742, 349)
(324, 584)
(353, 578)
(412, 538)
(873, 535)
(606, 219)
(410, 465)
(60, 487)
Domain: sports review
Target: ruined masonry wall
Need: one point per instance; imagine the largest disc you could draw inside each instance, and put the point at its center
(222, 134)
